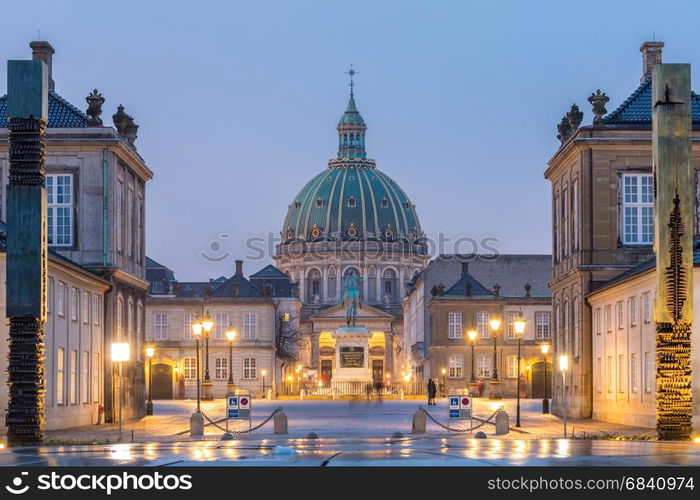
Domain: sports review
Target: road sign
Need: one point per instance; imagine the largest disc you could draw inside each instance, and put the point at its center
(238, 407)
(460, 407)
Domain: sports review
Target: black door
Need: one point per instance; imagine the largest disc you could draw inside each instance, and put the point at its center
(538, 380)
(377, 371)
(162, 381)
(326, 370)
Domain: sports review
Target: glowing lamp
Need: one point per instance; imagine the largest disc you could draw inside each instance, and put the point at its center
(544, 348)
(120, 351)
(495, 323)
(472, 333)
(230, 334)
(150, 351)
(207, 322)
(563, 362)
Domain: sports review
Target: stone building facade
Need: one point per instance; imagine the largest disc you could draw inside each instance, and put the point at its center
(602, 218)
(96, 186)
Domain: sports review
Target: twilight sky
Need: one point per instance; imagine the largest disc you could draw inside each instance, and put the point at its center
(238, 102)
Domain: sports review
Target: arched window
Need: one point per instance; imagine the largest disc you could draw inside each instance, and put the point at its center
(576, 317)
(120, 319)
(389, 286)
(130, 329)
(565, 318)
(314, 286)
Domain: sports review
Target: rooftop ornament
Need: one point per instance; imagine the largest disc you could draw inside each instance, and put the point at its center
(94, 110)
(598, 101)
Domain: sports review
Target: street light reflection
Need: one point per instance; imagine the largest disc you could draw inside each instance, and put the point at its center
(563, 448)
(121, 452)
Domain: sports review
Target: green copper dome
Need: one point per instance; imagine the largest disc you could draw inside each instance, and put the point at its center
(351, 199)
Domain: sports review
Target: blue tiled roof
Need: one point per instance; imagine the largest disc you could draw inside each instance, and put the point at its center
(636, 109)
(269, 271)
(62, 114)
(477, 289)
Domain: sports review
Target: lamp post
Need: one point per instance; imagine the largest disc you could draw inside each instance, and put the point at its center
(263, 372)
(149, 404)
(545, 401)
(197, 419)
(231, 336)
(495, 324)
(519, 326)
(120, 353)
(471, 334)
(207, 325)
(563, 367)
(444, 381)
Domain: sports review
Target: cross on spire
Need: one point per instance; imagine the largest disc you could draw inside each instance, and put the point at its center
(352, 73)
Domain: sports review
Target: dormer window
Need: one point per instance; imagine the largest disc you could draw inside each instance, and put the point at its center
(352, 203)
(319, 203)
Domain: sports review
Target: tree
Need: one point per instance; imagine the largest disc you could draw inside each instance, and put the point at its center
(288, 337)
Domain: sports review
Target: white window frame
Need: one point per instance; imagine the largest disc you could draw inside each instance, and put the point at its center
(511, 316)
(73, 377)
(633, 311)
(646, 308)
(598, 321)
(483, 366)
(189, 367)
(160, 326)
(454, 325)
(512, 366)
(482, 325)
(250, 326)
(86, 307)
(607, 310)
(60, 376)
(84, 377)
(620, 313)
(96, 370)
(187, 320)
(543, 325)
(250, 368)
(221, 322)
(637, 211)
(634, 371)
(96, 309)
(74, 303)
(455, 364)
(221, 368)
(59, 205)
(119, 212)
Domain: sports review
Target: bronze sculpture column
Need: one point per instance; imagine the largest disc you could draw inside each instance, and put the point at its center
(674, 209)
(27, 90)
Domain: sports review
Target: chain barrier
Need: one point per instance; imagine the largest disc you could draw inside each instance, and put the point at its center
(470, 429)
(247, 431)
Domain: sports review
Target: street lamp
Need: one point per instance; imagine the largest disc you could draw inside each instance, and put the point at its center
(120, 353)
(444, 382)
(545, 401)
(519, 326)
(231, 336)
(472, 333)
(263, 372)
(207, 325)
(197, 333)
(149, 404)
(495, 324)
(563, 366)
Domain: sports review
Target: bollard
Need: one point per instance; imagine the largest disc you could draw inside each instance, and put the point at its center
(280, 423)
(401, 394)
(302, 393)
(335, 393)
(418, 426)
(196, 425)
(502, 423)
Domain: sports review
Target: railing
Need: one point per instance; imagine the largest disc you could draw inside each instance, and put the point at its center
(351, 389)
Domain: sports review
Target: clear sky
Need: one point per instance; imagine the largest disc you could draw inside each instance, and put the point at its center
(238, 101)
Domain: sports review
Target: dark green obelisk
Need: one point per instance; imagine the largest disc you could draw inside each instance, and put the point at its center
(674, 209)
(27, 102)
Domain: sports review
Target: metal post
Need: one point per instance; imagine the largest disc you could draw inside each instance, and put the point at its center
(495, 365)
(149, 404)
(563, 393)
(545, 401)
(206, 358)
(473, 377)
(120, 400)
(230, 362)
(517, 390)
(196, 347)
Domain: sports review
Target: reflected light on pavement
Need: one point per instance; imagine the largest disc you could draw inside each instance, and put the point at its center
(121, 452)
(544, 449)
(563, 446)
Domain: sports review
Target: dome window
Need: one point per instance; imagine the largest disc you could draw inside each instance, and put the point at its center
(351, 178)
(406, 204)
(384, 203)
(352, 202)
(352, 230)
(297, 204)
(315, 232)
(319, 203)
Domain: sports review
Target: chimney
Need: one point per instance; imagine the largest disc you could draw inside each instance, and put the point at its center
(465, 268)
(43, 51)
(239, 268)
(651, 56)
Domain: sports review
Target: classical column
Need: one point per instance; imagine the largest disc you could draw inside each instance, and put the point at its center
(27, 89)
(674, 208)
(365, 284)
(324, 274)
(315, 353)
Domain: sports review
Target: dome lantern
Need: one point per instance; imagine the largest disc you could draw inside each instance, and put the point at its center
(351, 128)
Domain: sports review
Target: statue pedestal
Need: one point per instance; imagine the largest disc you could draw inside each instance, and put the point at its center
(352, 354)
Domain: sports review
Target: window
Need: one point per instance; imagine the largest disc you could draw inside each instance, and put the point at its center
(160, 327)
(74, 304)
(646, 309)
(597, 323)
(61, 298)
(59, 201)
(139, 229)
(60, 382)
(648, 372)
(86, 307)
(120, 318)
(250, 370)
(249, 327)
(511, 316)
(610, 374)
(139, 331)
(574, 215)
(190, 368)
(454, 325)
(454, 364)
(483, 366)
(119, 194)
(96, 369)
(384, 203)
(634, 385)
(319, 203)
(633, 311)
(221, 322)
(608, 318)
(576, 320)
(621, 373)
(50, 295)
(599, 375)
(130, 222)
(96, 309)
(620, 313)
(187, 321)
(556, 225)
(84, 374)
(512, 366)
(352, 202)
(482, 325)
(542, 321)
(565, 221)
(221, 368)
(73, 380)
(637, 209)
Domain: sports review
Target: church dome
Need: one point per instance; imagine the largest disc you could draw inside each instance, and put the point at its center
(351, 199)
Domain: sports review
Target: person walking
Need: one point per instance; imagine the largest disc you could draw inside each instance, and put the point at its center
(432, 391)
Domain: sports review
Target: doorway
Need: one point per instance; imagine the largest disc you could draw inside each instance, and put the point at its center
(539, 390)
(162, 379)
(377, 371)
(326, 370)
